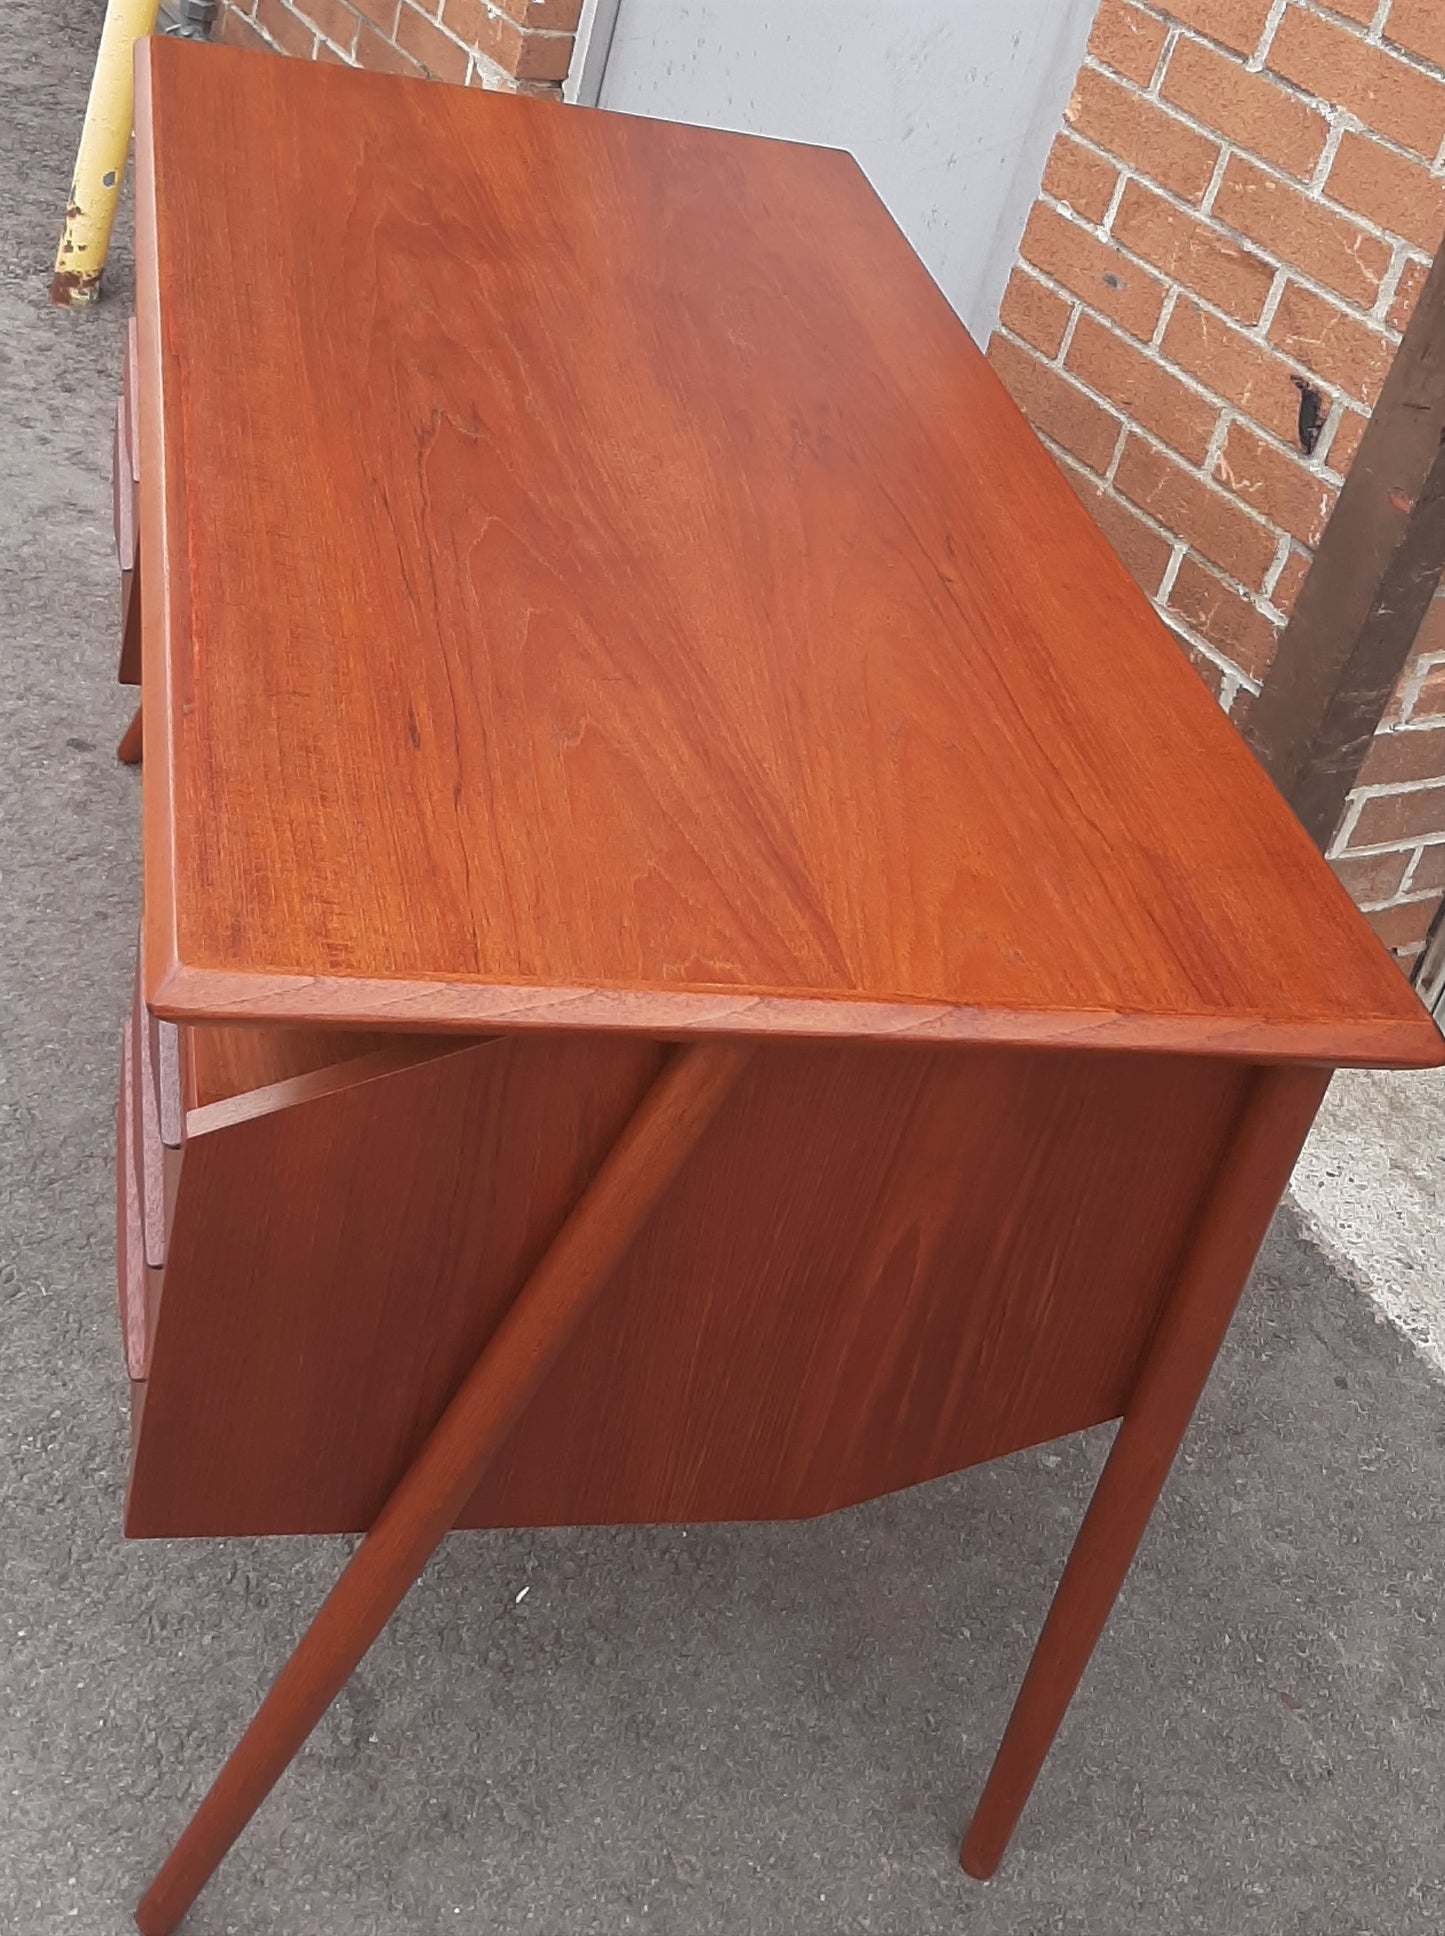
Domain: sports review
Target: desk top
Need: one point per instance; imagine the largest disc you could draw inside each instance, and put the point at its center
(598, 582)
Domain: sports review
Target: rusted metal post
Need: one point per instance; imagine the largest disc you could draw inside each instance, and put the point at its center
(1374, 573)
(100, 163)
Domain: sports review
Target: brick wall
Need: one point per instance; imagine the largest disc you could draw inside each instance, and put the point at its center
(521, 45)
(1234, 222)
(1390, 846)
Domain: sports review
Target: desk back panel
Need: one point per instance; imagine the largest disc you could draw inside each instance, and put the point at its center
(882, 1263)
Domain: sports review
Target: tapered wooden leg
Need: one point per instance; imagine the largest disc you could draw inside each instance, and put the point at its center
(1247, 1187)
(545, 1314)
(129, 750)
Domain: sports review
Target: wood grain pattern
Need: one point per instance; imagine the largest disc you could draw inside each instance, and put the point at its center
(130, 397)
(218, 1063)
(324, 1325)
(122, 493)
(124, 499)
(138, 1285)
(568, 1277)
(880, 1264)
(158, 1168)
(1274, 1122)
(128, 668)
(125, 489)
(617, 541)
(131, 746)
(166, 1061)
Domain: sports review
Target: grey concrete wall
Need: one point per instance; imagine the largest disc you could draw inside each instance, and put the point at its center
(949, 105)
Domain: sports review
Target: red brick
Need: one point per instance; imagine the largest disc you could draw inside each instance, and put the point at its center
(1241, 704)
(1144, 136)
(1361, 11)
(530, 55)
(437, 52)
(1398, 758)
(1296, 499)
(1287, 585)
(1388, 189)
(1192, 253)
(1430, 639)
(1144, 391)
(1345, 442)
(1429, 875)
(1254, 111)
(1099, 273)
(1127, 40)
(1407, 293)
(562, 15)
(237, 31)
(1055, 406)
(1405, 927)
(470, 21)
(1234, 366)
(544, 57)
(1209, 671)
(1413, 699)
(377, 54)
(291, 35)
(1327, 246)
(381, 13)
(1078, 177)
(1387, 818)
(1235, 23)
(1380, 90)
(1370, 879)
(1429, 701)
(1180, 500)
(1033, 312)
(332, 18)
(1217, 613)
(1352, 355)
(1419, 27)
(1143, 551)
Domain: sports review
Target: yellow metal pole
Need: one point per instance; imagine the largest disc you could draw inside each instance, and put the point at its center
(100, 164)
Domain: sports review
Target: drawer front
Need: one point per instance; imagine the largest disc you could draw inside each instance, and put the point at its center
(148, 1170)
(130, 396)
(157, 1167)
(138, 1284)
(123, 490)
(166, 1063)
(125, 499)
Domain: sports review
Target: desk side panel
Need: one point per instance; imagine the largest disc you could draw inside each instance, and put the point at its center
(882, 1263)
(336, 1265)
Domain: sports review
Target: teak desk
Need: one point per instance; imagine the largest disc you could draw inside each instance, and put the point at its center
(705, 955)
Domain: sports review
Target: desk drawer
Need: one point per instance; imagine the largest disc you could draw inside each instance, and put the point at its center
(125, 496)
(138, 1283)
(158, 1165)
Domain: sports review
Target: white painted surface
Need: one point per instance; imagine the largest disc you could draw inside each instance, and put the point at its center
(949, 105)
(590, 50)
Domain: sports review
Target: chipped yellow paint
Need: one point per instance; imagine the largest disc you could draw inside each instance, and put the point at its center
(100, 164)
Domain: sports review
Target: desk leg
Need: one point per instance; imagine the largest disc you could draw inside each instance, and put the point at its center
(1235, 1215)
(547, 1311)
(129, 750)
